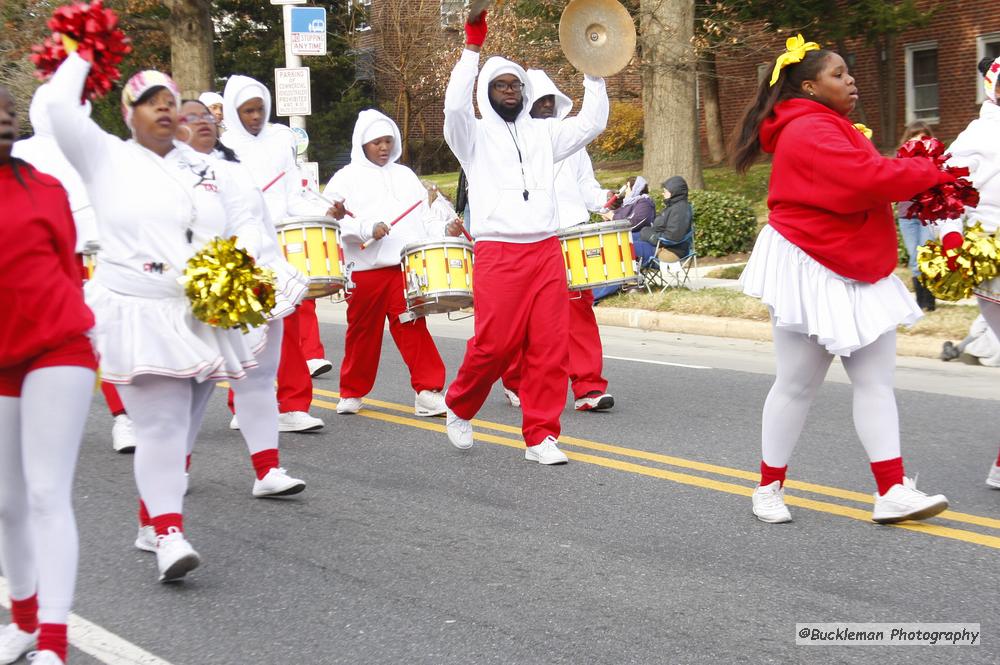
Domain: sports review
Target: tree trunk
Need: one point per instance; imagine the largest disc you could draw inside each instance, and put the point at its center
(668, 85)
(709, 86)
(191, 33)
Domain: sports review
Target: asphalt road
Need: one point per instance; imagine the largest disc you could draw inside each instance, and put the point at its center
(641, 550)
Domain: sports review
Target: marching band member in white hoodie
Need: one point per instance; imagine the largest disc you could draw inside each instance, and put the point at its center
(268, 153)
(376, 189)
(157, 202)
(520, 275)
(578, 194)
(42, 152)
(978, 148)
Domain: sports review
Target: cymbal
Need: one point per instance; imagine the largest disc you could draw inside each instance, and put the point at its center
(477, 7)
(597, 36)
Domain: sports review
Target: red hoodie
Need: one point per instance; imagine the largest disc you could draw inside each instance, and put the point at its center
(41, 296)
(830, 189)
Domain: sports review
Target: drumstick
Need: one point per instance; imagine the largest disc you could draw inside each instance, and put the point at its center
(332, 203)
(462, 226)
(276, 179)
(413, 207)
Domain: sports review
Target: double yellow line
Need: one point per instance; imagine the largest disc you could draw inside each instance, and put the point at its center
(652, 465)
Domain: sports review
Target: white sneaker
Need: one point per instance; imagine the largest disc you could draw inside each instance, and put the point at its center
(145, 539)
(512, 397)
(277, 483)
(905, 502)
(318, 366)
(123, 434)
(993, 480)
(44, 658)
(595, 400)
(174, 556)
(545, 452)
(234, 423)
(349, 405)
(298, 421)
(459, 430)
(429, 403)
(769, 504)
(14, 643)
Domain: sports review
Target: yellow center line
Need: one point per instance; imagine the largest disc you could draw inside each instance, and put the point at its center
(825, 490)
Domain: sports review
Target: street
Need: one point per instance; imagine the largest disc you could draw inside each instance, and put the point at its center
(642, 549)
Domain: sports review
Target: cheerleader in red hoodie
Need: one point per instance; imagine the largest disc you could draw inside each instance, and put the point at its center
(823, 266)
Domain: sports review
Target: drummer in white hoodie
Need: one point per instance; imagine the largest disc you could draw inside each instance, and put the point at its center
(519, 291)
(376, 190)
(268, 153)
(578, 194)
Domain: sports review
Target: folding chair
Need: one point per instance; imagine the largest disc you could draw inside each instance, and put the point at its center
(677, 274)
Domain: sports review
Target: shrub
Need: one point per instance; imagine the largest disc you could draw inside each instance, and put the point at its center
(624, 132)
(724, 223)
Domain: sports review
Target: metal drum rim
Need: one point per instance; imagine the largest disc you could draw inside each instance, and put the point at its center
(434, 244)
(308, 221)
(596, 228)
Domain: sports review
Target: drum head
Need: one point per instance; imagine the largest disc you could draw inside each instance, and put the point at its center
(307, 221)
(595, 229)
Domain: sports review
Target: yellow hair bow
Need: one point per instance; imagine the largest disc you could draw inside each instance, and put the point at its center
(863, 129)
(795, 49)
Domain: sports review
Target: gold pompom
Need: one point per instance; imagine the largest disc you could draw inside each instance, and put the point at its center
(226, 287)
(977, 260)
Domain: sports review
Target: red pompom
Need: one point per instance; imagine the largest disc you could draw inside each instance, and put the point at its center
(99, 40)
(944, 201)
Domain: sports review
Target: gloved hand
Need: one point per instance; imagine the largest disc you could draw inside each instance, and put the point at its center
(949, 242)
(475, 31)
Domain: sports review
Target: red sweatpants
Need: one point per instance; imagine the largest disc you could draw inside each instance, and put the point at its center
(377, 296)
(295, 388)
(520, 305)
(586, 354)
(115, 405)
(312, 346)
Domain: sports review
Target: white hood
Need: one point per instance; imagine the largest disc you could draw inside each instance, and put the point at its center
(366, 119)
(238, 90)
(494, 67)
(542, 85)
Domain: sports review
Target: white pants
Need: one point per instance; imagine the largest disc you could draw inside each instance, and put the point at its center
(167, 415)
(801, 367)
(255, 397)
(40, 434)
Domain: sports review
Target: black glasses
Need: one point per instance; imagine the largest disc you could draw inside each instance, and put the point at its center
(503, 86)
(191, 118)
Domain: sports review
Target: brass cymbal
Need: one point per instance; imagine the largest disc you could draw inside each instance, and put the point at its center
(597, 36)
(477, 7)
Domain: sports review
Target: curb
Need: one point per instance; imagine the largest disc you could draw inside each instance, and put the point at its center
(921, 346)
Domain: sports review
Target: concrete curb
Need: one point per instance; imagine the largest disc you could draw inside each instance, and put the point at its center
(759, 331)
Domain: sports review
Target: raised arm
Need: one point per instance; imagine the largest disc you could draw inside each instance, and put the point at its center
(459, 114)
(572, 134)
(84, 143)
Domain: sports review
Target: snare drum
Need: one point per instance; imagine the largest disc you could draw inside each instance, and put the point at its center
(313, 246)
(437, 275)
(89, 260)
(599, 255)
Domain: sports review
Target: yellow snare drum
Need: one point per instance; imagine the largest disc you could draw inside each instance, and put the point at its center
(313, 246)
(437, 275)
(599, 255)
(89, 260)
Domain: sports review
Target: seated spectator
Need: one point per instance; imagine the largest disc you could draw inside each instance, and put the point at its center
(636, 206)
(669, 230)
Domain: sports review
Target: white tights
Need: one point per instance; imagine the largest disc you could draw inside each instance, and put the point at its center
(801, 367)
(167, 414)
(255, 397)
(40, 434)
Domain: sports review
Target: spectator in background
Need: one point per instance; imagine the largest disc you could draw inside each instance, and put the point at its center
(668, 232)
(913, 232)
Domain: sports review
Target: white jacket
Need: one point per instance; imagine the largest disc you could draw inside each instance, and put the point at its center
(503, 161)
(266, 155)
(42, 152)
(577, 191)
(376, 194)
(978, 148)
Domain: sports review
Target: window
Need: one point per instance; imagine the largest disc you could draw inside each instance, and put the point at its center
(987, 46)
(360, 11)
(922, 83)
(453, 13)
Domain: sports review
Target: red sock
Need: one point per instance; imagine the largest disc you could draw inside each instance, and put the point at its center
(187, 464)
(264, 461)
(25, 613)
(998, 459)
(144, 519)
(163, 522)
(888, 472)
(768, 474)
(52, 637)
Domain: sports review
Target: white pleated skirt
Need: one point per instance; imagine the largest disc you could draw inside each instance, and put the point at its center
(136, 336)
(804, 296)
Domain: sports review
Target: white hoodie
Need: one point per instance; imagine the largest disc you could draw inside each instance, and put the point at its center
(489, 148)
(577, 191)
(266, 155)
(978, 147)
(42, 152)
(380, 194)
